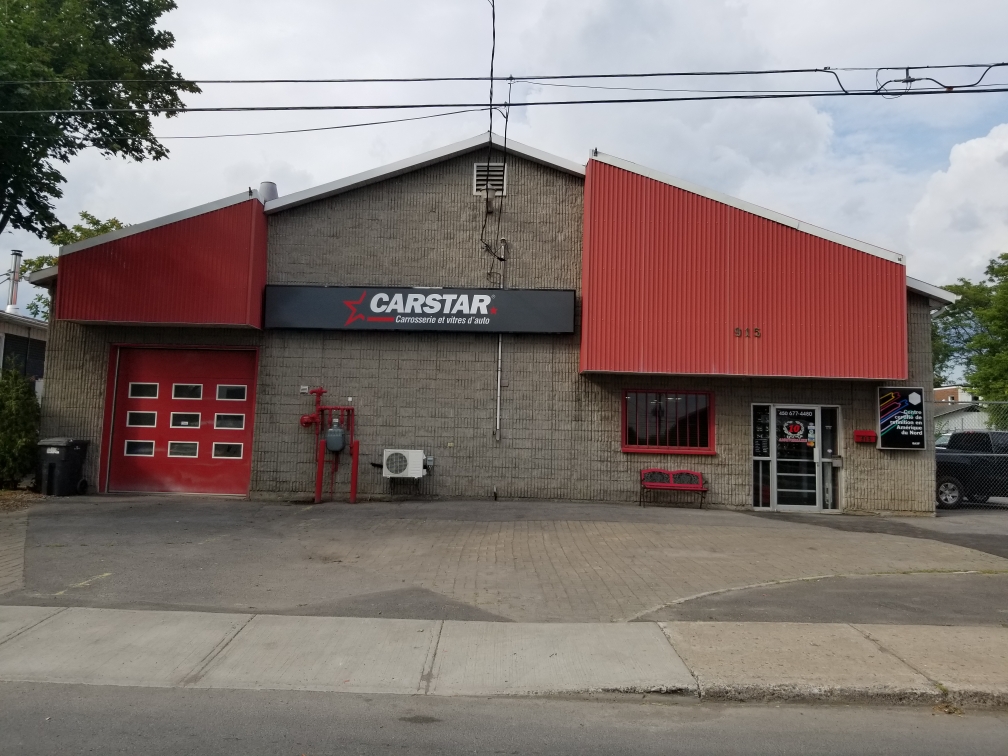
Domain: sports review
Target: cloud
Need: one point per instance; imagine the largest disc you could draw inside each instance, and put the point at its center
(961, 221)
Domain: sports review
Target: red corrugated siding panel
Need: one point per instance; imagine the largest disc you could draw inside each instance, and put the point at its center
(206, 269)
(668, 275)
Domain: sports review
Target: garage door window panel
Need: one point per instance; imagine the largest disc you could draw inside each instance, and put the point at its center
(141, 419)
(187, 391)
(183, 448)
(223, 421)
(227, 451)
(139, 449)
(231, 393)
(143, 391)
(185, 419)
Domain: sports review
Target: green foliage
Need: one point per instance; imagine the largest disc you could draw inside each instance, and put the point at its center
(19, 424)
(40, 306)
(997, 416)
(92, 226)
(973, 332)
(48, 48)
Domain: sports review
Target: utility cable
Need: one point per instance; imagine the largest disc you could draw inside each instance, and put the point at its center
(434, 79)
(714, 97)
(324, 128)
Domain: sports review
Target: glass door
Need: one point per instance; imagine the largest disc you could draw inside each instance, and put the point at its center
(796, 457)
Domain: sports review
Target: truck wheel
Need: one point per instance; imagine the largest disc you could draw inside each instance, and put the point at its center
(949, 492)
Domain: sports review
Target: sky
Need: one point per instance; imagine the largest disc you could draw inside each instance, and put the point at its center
(924, 176)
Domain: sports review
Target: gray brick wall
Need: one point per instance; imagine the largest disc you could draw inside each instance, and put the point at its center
(560, 430)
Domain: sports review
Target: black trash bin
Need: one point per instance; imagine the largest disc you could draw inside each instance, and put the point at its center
(60, 469)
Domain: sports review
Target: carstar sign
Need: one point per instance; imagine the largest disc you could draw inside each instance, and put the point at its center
(420, 309)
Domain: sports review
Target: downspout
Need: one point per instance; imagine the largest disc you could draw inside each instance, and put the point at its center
(500, 342)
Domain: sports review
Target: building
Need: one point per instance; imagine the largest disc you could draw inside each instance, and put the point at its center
(23, 346)
(957, 409)
(542, 329)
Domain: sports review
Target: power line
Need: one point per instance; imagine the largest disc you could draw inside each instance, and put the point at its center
(713, 96)
(541, 77)
(323, 128)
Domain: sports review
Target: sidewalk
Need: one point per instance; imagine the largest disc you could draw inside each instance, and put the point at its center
(727, 661)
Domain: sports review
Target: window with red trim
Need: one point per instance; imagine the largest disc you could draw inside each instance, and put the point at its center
(668, 422)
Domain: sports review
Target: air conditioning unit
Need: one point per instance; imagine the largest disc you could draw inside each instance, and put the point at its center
(406, 463)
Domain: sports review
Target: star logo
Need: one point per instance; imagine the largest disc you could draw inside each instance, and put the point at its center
(493, 310)
(354, 315)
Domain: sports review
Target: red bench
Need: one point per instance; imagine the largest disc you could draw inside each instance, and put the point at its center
(656, 479)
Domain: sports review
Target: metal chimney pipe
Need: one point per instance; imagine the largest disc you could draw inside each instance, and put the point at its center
(15, 276)
(267, 191)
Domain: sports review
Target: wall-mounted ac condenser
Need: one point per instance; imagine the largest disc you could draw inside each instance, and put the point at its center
(405, 463)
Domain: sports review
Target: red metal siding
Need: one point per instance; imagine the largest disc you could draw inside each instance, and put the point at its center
(669, 275)
(208, 269)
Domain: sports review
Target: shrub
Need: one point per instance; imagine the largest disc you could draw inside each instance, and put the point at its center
(19, 427)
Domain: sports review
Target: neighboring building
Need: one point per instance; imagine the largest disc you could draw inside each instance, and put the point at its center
(627, 320)
(23, 346)
(956, 410)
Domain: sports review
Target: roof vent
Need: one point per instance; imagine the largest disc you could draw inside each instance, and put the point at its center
(489, 177)
(267, 191)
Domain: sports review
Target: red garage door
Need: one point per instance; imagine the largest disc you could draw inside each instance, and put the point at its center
(183, 421)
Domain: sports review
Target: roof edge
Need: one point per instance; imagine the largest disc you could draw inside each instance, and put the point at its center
(748, 207)
(416, 162)
(44, 277)
(25, 321)
(932, 292)
(164, 220)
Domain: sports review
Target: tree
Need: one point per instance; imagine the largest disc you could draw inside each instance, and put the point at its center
(955, 326)
(973, 332)
(91, 227)
(95, 56)
(19, 423)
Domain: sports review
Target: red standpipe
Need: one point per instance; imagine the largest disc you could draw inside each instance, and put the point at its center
(318, 419)
(354, 454)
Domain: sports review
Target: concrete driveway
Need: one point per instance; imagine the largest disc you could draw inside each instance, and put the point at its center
(527, 561)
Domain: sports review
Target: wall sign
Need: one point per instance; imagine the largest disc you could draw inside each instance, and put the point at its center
(901, 417)
(389, 308)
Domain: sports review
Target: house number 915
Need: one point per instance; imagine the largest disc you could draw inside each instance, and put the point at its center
(739, 333)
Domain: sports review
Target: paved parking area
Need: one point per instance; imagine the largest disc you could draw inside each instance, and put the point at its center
(528, 561)
(12, 540)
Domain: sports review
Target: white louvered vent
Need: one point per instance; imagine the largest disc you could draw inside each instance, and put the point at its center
(492, 176)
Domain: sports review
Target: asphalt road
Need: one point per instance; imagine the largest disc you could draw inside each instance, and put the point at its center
(70, 719)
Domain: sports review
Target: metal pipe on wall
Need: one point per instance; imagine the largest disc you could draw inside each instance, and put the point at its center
(500, 342)
(15, 277)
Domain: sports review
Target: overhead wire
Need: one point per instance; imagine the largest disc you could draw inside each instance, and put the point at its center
(544, 77)
(713, 96)
(325, 128)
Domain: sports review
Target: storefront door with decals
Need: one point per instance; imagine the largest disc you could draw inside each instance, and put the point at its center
(796, 457)
(182, 421)
(797, 469)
